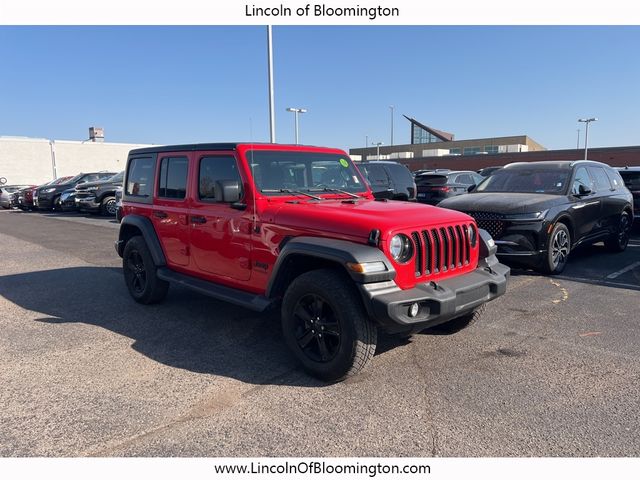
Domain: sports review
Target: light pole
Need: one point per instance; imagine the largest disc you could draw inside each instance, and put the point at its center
(578, 142)
(272, 112)
(391, 107)
(586, 132)
(378, 148)
(296, 111)
(366, 141)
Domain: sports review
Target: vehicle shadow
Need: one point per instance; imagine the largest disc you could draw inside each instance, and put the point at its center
(188, 331)
(595, 265)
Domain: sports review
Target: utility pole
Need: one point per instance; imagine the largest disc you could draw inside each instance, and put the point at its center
(586, 133)
(391, 107)
(272, 112)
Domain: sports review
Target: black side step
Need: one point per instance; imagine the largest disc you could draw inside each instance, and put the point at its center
(251, 301)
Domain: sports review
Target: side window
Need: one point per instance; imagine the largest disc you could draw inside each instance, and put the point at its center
(140, 176)
(376, 175)
(582, 178)
(213, 171)
(614, 178)
(600, 178)
(465, 178)
(173, 177)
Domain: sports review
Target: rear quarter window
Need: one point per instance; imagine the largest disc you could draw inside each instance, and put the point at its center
(400, 173)
(140, 177)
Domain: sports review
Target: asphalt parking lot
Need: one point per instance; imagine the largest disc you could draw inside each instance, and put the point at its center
(553, 369)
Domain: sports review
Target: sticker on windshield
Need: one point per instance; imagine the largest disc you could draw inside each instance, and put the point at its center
(344, 163)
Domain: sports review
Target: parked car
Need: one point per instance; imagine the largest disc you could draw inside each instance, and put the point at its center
(118, 195)
(631, 178)
(258, 225)
(435, 187)
(25, 199)
(390, 180)
(67, 201)
(48, 197)
(486, 171)
(6, 191)
(99, 197)
(539, 212)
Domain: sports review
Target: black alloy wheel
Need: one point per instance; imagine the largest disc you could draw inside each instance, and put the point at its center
(140, 273)
(136, 272)
(558, 250)
(326, 326)
(109, 207)
(317, 329)
(620, 238)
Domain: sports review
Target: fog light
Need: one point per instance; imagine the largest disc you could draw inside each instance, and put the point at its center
(414, 309)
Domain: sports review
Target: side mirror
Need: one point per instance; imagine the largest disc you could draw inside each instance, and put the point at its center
(471, 188)
(583, 190)
(228, 191)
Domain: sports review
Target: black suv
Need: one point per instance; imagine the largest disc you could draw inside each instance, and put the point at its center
(48, 197)
(631, 177)
(390, 180)
(99, 197)
(433, 187)
(538, 212)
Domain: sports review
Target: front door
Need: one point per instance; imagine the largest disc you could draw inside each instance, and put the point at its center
(220, 232)
(585, 208)
(170, 208)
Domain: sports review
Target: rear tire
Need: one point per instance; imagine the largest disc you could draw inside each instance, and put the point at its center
(619, 240)
(140, 273)
(326, 326)
(558, 250)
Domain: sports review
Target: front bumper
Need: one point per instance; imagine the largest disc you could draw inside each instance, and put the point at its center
(87, 203)
(438, 302)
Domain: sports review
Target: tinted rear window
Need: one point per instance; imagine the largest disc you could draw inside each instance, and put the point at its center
(631, 179)
(431, 179)
(140, 177)
(400, 172)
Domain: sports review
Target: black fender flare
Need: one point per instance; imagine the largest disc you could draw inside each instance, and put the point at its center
(332, 250)
(144, 225)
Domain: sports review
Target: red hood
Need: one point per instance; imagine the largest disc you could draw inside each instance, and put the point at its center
(359, 218)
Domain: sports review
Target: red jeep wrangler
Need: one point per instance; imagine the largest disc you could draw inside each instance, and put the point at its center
(296, 227)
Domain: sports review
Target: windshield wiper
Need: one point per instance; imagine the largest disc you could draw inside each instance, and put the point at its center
(286, 190)
(327, 189)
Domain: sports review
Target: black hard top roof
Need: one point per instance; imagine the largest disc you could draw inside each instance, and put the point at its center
(193, 147)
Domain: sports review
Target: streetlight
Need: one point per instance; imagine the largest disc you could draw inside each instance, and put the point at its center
(391, 107)
(296, 111)
(586, 132)
(272, 112)
(378, 147)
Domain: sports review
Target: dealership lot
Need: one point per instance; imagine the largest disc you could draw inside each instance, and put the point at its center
(553, 368)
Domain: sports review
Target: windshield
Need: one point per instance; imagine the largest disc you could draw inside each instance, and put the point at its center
(526, 180)
(276, 172)
(59, 181)
(118, 177)
(75, 179)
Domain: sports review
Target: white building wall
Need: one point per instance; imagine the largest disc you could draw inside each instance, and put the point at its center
(25, 160)
(31, 160)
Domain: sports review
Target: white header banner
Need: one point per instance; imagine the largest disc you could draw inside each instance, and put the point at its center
(329, 12)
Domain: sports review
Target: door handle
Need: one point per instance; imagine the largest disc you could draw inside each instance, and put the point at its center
(198, 219)
(160, 214)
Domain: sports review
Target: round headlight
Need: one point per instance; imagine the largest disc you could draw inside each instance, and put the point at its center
(473, 235)
(401, 248)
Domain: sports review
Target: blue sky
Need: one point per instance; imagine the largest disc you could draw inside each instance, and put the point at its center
(197, 84)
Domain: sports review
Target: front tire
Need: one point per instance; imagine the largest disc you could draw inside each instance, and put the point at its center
(140, 273)
(619, 240)
(108, 206)
(558, 250)
(326, 326)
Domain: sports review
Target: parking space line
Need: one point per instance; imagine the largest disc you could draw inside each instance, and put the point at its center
(624, 270)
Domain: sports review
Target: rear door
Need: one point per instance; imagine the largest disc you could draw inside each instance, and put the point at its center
(585, 210)
(170, 208)
(220, 233)
(609, 211)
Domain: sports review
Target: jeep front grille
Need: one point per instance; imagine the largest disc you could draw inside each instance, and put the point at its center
(491, 222)
(441, 249)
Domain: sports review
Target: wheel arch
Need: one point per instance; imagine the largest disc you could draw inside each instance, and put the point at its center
(132, 225)
(304, 254)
